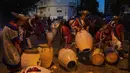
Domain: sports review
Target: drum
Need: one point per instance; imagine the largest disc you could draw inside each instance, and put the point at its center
(46, 55)
(54, 31)
(111, 55)
(67, 58)
(35, 69)
(84, 41)
(49, 37)
(30, 57)
(97, 57)
(54, 28)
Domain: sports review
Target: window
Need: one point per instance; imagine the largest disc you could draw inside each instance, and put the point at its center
(41, 12)
(65, 13)
(48, 9)
(60, 17)
(57, 1)
(41, 2)
(59, 10)
(45, 1)
(44, 15)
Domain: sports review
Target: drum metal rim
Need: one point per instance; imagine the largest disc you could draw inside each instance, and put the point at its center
(31, 51)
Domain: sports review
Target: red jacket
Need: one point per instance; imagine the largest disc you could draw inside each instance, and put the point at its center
(119, 28)
(66, 33)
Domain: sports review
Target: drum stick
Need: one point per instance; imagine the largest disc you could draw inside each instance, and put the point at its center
(66, 45)
(80, 23)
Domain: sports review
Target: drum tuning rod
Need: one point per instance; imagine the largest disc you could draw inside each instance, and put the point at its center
(71, 44)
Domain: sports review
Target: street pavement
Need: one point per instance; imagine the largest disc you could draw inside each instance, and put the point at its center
(81, 68)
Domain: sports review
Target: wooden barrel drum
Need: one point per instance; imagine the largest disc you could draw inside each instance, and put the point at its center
(46, 55)
(30, 57)
(111, 55)
(97, 57)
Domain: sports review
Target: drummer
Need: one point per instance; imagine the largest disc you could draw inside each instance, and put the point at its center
(118, 29)
(79, 23)
(11, 42)
(104, 35)
(65, 33)
(118, 33)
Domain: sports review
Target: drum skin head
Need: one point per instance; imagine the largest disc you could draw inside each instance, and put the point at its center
(111, 57)
(98, 59)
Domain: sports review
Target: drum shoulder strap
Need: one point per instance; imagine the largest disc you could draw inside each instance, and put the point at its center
(73, 23)
(80, 23)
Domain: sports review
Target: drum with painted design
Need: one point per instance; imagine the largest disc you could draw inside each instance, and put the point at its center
(35, 69)
(84, 41)
(30, 57)
(46, 55)
(67, 58)
(97, 56)
(111, 55)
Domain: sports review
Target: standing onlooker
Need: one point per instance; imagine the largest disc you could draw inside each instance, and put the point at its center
(11, 42)
(49, 21)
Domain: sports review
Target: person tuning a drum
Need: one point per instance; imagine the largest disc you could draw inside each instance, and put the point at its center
(11, 42)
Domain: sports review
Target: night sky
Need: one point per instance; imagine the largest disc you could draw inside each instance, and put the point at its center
(101, 5)
(15, 5)
(7, 6)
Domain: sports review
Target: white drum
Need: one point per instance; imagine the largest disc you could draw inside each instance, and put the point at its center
(49, 37)
(54, 27)
(35, 69)
(84, 41)
(67, 58)
(30, 57)
(46, 55)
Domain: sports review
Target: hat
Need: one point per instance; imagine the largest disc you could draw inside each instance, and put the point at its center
(20, 16)
(84, 12)
(116, 17)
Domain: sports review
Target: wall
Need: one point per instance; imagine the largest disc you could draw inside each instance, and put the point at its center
(55, 8)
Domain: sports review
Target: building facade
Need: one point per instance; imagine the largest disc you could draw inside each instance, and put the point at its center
(57, 8)
(107, 7)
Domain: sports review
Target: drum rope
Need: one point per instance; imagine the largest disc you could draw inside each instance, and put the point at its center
(100, 42)
(80, 23)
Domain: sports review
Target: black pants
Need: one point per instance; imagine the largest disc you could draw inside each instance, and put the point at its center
(12, 68)
(128, 34)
